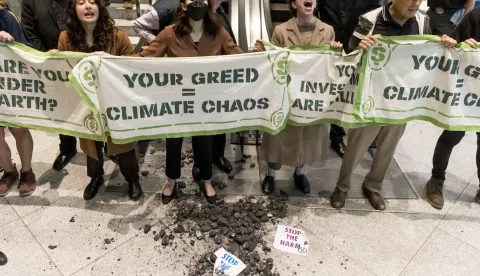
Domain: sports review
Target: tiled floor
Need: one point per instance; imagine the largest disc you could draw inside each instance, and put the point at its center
(55, 232)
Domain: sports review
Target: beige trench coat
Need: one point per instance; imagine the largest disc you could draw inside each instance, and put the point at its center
(297, 146)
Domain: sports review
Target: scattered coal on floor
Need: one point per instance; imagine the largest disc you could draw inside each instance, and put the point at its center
(239, 227)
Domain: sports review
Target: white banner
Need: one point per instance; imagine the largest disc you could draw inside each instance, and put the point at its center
(415, 78)
(35, 92)
(143, 98)
(323, 85)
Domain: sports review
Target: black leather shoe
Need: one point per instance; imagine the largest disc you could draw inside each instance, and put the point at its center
(223, 164)
(339, 147)
(62, 160)
(135, 190)
(302, 183)
(3, 259)
(268, 185)
(166, 199)
(337, 199)
(375, 199)
(92, 188)
(477, 197)
(196, 173)
(210, 199)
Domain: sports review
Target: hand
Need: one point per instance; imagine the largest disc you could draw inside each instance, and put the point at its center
(99, 53)
(472, 42)
(335, 44)
(448, 41)
(6, 37)
(367, 42)
(258, 46)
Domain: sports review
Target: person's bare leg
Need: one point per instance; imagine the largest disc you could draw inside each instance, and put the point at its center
(24, 147)
(5, 153)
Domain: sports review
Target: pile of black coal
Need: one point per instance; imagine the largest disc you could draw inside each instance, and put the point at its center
(239, 227)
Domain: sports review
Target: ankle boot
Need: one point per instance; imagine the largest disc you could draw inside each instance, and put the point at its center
(92, 189)
(434, 188)
(134, 190)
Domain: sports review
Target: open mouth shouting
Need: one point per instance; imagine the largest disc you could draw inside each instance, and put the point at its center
(89, 15)
(308, 5)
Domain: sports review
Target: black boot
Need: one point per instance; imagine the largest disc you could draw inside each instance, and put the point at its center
(302, 183)
(63, 159)
(134, 190)
(92, 189)
(223, 164)
(268, 185)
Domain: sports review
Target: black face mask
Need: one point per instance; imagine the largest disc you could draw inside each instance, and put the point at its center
(197, 10)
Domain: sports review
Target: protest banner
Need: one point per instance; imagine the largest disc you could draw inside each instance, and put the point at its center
(35, 93)
(147, 98)
(323, 85)
(416, 78)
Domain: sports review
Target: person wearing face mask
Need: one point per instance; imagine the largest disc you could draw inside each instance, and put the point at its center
(90, 29)
(398, 18)
(297, 146)
(149, 25)
(197, 31)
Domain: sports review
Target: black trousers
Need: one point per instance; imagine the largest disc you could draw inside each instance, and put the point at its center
(443, 150)
(218, 146)
(202, 151)
(67, 143)
(336, 133)
(127, 162)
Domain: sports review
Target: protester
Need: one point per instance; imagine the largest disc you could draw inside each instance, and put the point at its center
(149, 26)
(10, 30)
(42, 21)
(127, 4)
(197, 32)
(343, 15)
(445, 14)
(90, 29)
(297, 146)
(155, 19)
(400, 17)
(467, 30)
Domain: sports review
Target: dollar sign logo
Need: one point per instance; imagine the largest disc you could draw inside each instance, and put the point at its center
(379, 56)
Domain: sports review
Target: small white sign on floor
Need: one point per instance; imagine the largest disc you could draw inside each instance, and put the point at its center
(227, 264)
(291, 240)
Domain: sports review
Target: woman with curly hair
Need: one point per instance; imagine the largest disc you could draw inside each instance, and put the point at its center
(90, 29)
(10, 30)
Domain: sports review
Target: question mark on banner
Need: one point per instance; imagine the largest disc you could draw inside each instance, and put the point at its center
(53, 104)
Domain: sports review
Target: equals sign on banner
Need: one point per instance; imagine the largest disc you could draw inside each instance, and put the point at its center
(188, 92)
(460, 83)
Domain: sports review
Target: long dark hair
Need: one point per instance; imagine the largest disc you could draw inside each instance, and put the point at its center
(102, 34)
(211, 23)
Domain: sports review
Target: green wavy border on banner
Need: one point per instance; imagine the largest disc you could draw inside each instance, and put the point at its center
(394, 40)
(19, 48)
(80, 90)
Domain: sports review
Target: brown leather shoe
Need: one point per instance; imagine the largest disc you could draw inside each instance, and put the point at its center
(375, 199)
(434, 188)
(128, 5)
(477, 197)
(7, 181)
(27, 183)
(337, 199)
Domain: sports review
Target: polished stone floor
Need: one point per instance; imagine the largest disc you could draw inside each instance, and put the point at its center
(40, 237)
